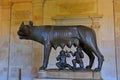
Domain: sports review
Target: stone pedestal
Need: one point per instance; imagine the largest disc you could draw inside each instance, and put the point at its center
(68, 75)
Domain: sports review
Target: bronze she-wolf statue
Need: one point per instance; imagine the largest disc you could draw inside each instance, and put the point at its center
(54, 36)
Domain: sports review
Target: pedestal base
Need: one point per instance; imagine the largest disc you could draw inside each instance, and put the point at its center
(68, 75)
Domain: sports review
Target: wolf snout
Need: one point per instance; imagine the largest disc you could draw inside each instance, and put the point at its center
(19, 33)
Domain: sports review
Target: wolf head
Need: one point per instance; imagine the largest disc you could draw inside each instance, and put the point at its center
(24, 31)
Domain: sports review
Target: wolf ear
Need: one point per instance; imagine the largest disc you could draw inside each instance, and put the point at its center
(30, 23)
(22, 24)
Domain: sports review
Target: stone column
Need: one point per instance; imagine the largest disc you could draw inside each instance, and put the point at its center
(4, 39)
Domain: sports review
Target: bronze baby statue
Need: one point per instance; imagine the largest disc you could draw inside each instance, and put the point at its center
(62, 64)
(78, 58)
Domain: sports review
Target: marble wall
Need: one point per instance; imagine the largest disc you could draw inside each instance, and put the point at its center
(20, 51)
(20, 59)
(117, 34)
(26, 56)
(4, 41)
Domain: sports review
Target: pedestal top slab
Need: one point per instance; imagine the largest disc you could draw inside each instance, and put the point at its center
(54, 74)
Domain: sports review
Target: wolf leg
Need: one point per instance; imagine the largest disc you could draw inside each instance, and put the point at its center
(47, 49)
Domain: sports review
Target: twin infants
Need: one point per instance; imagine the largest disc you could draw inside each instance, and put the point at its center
(78, 55)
